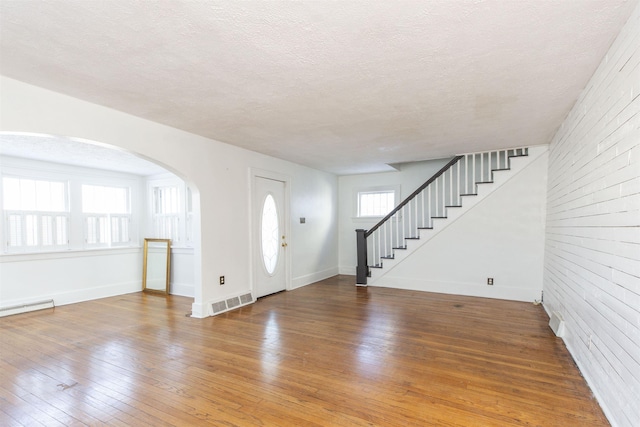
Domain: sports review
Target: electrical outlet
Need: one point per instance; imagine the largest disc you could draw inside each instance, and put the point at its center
(222, 280)
(490, 281)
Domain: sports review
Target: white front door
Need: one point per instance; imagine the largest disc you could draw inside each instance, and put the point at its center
(270, 239)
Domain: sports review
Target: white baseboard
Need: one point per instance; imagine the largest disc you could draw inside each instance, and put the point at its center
(455, 288)
(308, 279)
(80, 295)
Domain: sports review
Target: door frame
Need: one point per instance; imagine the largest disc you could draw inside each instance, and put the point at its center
(254, 240)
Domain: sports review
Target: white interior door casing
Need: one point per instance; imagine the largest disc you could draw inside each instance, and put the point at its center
(269, 236)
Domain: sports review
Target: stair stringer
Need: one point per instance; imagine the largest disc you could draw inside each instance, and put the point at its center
(483, 190)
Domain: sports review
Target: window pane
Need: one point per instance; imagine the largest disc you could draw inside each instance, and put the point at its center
(105, 200)
(166, 227)
(166, 200)
(61, 230)
(57, 200)
(27, 195)
(270, 234)
(166, 215)
(31, 230)
(33, 195)
(15, 230)
(115, 230)
(91, 230)
(375, 203)
(11, 194)
(47, 230)
(189, 201)
(119, 229)
(124, 230)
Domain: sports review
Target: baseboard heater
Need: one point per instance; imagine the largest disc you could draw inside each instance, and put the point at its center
(24, 308)
(230, 303)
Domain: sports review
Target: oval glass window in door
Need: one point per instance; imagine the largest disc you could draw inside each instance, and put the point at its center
(270, 234)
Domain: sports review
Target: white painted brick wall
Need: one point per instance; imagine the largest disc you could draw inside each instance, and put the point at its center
(592, 251)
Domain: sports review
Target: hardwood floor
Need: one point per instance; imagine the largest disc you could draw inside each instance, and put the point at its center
(328, 354)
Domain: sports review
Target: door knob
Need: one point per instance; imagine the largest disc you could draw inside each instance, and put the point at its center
(284, 245)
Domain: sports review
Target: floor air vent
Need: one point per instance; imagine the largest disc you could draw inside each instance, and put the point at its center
(230, 303)
(233, 302)
(219, 307)
(246, 298)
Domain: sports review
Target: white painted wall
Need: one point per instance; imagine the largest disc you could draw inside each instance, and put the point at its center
(408, 178)
(501, 237)
(182, 272)
(218, 174)
(70, 276)
(592, 255)
(314, 198)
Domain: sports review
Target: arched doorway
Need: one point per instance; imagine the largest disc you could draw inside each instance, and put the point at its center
(97, 251)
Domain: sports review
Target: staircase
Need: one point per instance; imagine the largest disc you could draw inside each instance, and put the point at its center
(435, 205)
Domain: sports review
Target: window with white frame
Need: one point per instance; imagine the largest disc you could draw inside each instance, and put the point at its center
(107, 215)
(48, 207)
(375, 203)
(36, 214)
(171, 210)
(166, 212)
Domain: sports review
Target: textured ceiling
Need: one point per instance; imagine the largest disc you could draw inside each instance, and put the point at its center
(342, 86)
(70, 151)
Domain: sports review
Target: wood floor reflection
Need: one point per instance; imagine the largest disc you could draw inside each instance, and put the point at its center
(328, 354)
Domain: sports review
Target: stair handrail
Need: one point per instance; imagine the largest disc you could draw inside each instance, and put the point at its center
(362, 268)
(446, 167)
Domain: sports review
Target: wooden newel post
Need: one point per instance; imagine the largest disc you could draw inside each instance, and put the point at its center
(362, 269)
